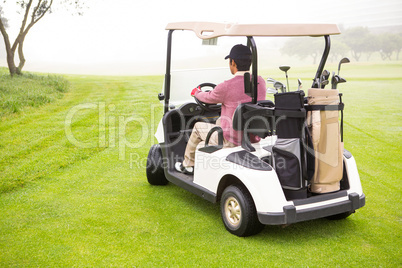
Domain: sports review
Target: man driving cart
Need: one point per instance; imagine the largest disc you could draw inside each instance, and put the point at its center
(230, 94)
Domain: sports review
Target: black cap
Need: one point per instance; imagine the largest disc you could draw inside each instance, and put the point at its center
(239, 52)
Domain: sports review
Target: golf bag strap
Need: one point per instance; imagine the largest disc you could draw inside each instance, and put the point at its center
(341, 103)
(289, 113)
(308, 154)
(339, 107)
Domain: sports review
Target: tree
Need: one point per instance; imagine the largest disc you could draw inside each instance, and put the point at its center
(33, 11)
(338, 49)
(4, 21)
(357, 39)
(304, 47)
(372, 43)
(398, 39)
(390, 43)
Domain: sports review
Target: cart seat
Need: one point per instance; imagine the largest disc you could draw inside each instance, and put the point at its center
(256, 119)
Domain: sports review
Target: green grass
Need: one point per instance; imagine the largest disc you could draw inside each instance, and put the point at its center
(63, 205)
(28, 90)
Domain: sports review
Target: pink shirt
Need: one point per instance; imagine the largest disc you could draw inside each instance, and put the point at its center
(231, 93)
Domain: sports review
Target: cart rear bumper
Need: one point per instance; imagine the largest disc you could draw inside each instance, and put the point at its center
(291, 215)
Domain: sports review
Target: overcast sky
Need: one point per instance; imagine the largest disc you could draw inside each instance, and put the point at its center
(128, 36)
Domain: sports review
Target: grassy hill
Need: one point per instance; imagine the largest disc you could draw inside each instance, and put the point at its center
(29, 90)
(73, 190)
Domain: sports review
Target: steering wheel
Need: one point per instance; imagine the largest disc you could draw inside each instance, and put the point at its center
(206, 106)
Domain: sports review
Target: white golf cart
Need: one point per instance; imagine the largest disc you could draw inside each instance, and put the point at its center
(298, 171)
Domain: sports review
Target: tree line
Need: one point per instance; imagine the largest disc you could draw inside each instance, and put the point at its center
(356, 41)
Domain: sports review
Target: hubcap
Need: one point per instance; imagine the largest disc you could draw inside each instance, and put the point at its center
(233, 211)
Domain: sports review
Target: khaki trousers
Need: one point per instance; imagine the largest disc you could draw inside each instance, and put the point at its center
(199, 134)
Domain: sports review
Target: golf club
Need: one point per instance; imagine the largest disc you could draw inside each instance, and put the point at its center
(271, 90)
(341, 80)
(324, 76)
(270, 80)
(344, 60)
(336, 80)
(279, 86)
(299, 83)
(285, 68)
(332, 79)
(316, 82)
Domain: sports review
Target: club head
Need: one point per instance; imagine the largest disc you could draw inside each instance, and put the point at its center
(271, 80)
(325, 74)
(271, 90)
(284, 68)
(342, 61)
(342, 80)
(338, 80)
(279, 86)
(316, 82)
(299, 83)
(335, 81)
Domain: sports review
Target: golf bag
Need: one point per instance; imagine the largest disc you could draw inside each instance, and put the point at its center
(289, 152)
(323, 121)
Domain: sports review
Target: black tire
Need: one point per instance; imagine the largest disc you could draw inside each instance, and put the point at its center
(155, 172)
(340, 216)
(238, 212)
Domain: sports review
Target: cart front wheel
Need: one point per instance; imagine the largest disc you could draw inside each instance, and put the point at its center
(155, 172)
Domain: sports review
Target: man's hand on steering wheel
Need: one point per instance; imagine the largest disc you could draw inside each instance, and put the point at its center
(196, 89)
(205, 106)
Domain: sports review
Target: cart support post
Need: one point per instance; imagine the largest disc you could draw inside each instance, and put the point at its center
(167, 74)
(323, 61)
(251, 43)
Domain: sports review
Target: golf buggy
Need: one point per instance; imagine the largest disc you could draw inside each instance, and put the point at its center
(299, 170)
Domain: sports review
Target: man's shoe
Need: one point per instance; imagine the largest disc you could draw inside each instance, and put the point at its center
(185, 170)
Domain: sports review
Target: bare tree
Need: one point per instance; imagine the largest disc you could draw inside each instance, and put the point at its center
(33, 11)
(4, 22)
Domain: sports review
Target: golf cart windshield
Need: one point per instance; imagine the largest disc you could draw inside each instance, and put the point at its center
(182, 81)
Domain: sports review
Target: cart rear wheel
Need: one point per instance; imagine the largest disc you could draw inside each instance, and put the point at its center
(238, 212)
(155, 173)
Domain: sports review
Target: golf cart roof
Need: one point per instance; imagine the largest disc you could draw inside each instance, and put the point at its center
(208, 30)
